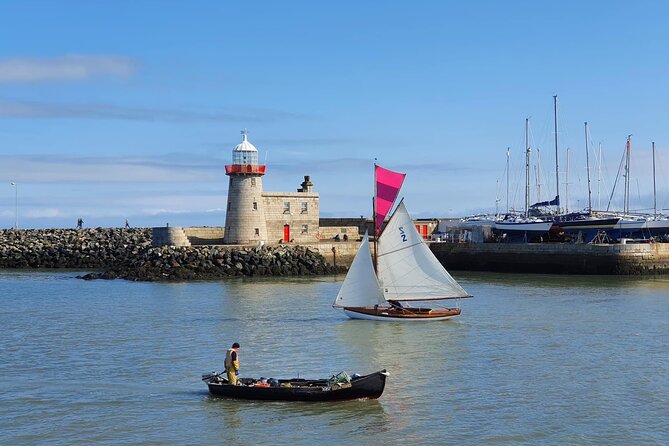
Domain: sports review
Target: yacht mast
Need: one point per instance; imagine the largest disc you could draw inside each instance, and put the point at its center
(508, 156)
(587, 163)
(376, 234)
(538, 175)
(566, 185)
(527, 168)
(654, 190)
(599, 177)
(557, 175)
(497, 199)
(628, 149)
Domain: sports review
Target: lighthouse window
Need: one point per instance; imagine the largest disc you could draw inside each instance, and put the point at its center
(286, 207)
(255, 205)
(305, 229)
(304, 207)
(253, 181)
(243, 157)
(257, 231)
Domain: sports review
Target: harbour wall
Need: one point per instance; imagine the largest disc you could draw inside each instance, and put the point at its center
(555, 258)
(343, 254)
(128, 254)
(71, 248)
(546, 258)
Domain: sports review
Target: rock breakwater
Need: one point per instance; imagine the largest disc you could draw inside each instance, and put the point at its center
(71, 248)
(127, 254)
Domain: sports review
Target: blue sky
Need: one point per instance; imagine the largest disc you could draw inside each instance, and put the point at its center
(130, 109)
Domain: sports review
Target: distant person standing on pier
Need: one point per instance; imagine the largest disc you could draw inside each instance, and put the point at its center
(126, 224)
(80, 223)
(232, 363)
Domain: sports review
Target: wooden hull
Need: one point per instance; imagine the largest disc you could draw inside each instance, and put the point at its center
(406, 314)
(368, 386)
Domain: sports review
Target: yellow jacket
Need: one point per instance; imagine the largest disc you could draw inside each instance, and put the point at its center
(231, 361)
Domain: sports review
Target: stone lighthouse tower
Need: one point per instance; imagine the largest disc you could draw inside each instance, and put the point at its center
(245, 216)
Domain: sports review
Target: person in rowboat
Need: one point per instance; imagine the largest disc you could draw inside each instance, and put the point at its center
(232, 363)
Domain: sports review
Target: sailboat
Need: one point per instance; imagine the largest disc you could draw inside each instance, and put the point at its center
(523, 228)
(639, 226)
(403, 270)
(581, 226)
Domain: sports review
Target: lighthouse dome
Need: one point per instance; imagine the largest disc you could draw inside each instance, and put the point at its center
(245, 145)
(244, 152)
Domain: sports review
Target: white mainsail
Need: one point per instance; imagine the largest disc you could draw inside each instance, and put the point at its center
(407, 269)
(360, 287)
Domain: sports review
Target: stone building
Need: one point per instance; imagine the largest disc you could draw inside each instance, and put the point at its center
(253, 215)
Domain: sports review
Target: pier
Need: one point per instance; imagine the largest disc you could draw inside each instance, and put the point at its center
(555, 258)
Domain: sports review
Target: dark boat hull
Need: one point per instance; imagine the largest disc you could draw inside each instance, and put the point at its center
(368, 386)
(588, 228)
(595, 223)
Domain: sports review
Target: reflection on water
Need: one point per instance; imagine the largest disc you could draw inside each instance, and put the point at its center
(533, 359)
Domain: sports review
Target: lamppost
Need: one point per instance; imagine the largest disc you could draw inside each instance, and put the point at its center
(16, 205)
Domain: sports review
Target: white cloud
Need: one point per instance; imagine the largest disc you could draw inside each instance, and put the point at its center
(34, 109)
(42, 213)
(165, 211)
(64, 68)
(40, 169)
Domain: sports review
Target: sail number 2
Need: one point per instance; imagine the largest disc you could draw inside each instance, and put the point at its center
(403, 234)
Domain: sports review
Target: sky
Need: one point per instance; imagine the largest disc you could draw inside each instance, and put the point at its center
(115, 110)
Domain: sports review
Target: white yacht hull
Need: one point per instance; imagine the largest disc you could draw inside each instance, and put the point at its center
(536, 227)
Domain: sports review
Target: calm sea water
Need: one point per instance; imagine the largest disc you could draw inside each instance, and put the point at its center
(532, 360)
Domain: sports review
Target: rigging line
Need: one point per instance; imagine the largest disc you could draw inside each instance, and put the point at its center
(616, 181)
(400, 249)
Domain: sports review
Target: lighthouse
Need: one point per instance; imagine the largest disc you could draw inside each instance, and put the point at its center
(245, 220)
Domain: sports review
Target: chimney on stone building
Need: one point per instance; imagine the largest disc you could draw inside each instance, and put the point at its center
(307, 185)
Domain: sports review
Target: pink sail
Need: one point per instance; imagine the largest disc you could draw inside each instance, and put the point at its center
(388, 184)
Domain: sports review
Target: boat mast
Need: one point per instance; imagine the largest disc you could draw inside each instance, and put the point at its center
(376, 236)
(538, 175)
(626, 201)
(587, 167)
(557, 175)
(508, 156)
(566, 185)
(527, 168)
(654, 190)
(599, 177)
(497, 199)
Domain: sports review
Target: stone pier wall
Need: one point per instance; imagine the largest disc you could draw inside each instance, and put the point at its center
(169, 235)
(128, 254)
(552, 258)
